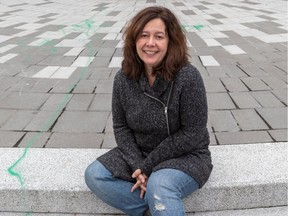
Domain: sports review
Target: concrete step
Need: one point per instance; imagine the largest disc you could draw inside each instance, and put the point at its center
(273, 211)
(52, 180)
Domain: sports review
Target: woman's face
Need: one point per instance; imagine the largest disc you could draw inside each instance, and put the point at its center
(152, 43)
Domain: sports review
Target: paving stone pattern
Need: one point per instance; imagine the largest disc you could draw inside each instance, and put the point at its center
(58, 60)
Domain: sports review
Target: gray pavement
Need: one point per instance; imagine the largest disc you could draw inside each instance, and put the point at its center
(57, 68)
(58, 60)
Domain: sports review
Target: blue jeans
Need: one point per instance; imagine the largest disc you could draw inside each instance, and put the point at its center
(165, 190)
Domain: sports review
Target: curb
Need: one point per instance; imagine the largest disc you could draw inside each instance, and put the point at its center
(244, 176)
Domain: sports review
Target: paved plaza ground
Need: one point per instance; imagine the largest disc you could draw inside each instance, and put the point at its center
(58, 59)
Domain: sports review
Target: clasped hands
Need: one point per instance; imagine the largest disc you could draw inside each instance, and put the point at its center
(141, 181)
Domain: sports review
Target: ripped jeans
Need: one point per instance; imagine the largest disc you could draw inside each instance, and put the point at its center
(165, 190)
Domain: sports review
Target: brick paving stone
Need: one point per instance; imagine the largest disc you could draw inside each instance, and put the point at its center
(208, 61)
(118, 52)
(109, 141)
(255, 84)
(43, 85)
(253, 70)
(64, 86)
(281, 94)
(56, 102)
(109, 125)
(81, 74)
(75, 140)
(248, 119)
(34, 140)
(216, 71)
(100, 73)
(85, 86)
(47, 72)
(100, 62)
(7, 82)
(242, 137)
(266, 99)
(225, 41)
(104, 86)
(43, 121)
(115, 62)
(274, 71)
(101, 102)
(212, 139)
(24, 85)
(19, 120)
(106, 52)
(195, 40)
(274, 83)
(27, 60)
(223, 121)
(275, 117)
(244, 100)
(81, 122)
(57, 60)
(244, 60)
(233, 84)
(4, 94)
(30, 101)
(226, 59)
(219, 101)
(10, 138)
(279, 135)
(213, 84)
(30, 71)
(79, 102)
(5, 115)
(12, 69)
(282, 65)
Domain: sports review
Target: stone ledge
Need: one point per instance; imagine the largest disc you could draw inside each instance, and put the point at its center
(272, 211)
(244, 176)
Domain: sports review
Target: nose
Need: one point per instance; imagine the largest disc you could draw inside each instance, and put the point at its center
(151, 41)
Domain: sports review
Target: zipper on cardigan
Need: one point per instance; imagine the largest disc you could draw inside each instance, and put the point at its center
(164, 105)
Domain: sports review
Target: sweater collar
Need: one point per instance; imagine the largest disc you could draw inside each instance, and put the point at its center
(158, 88)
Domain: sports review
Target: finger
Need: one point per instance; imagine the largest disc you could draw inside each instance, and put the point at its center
(143, 187)
(142, 193)
(141, 178)
(136, 173)
(136, 185)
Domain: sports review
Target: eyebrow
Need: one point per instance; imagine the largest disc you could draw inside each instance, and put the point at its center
(158, 32)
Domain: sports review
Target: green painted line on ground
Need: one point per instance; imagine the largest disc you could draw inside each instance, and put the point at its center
(11, 170)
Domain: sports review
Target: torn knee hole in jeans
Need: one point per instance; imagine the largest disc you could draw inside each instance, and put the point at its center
(158, 205)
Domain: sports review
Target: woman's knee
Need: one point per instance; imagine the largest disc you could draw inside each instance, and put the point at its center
(94, 173)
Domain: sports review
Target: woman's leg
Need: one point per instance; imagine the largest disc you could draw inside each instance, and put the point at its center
(165, 190)
(114, 191)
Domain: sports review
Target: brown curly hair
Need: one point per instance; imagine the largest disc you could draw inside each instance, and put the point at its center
(177, 51)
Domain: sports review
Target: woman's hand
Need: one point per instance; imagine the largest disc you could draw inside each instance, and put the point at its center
(141, 182)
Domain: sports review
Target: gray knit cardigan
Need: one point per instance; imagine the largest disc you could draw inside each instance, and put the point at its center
(163, 126)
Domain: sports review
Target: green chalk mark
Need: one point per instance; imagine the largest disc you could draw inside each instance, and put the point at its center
(49, 43)
(86, 25)
(198, 27)
(53, 116)
(187, 27)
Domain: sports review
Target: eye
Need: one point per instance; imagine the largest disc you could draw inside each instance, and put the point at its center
(144, 35)
(159, 37)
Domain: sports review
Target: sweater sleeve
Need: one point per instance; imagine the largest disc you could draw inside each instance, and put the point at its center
(193, 117)
(123, 134)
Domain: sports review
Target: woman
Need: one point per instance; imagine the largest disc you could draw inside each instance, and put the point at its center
(159, 112)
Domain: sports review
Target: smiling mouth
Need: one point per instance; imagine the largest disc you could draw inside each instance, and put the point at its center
(150, 52)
